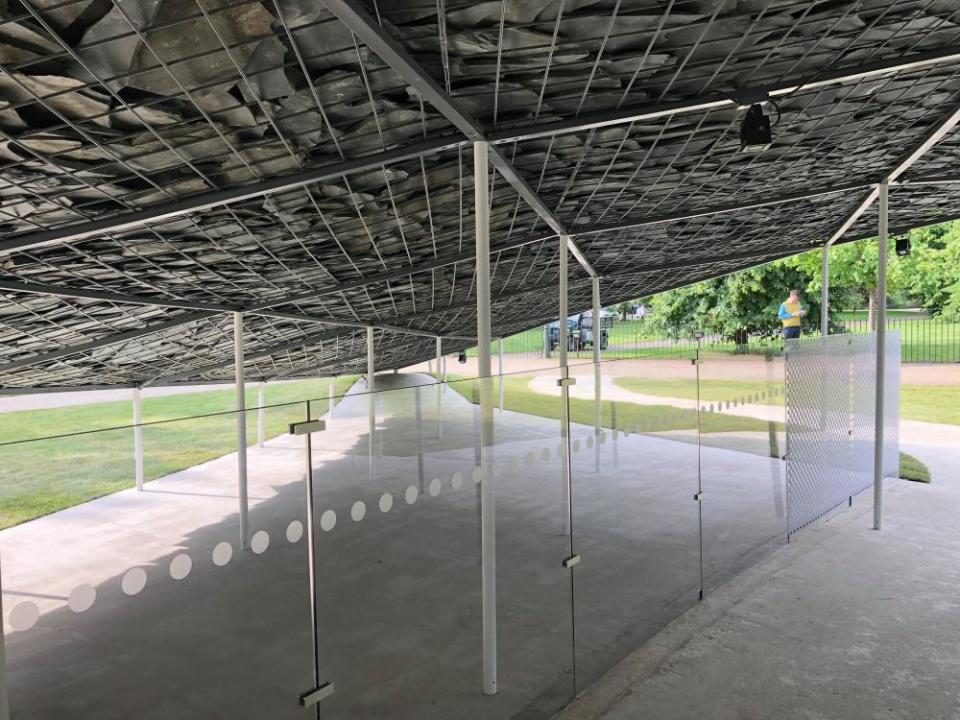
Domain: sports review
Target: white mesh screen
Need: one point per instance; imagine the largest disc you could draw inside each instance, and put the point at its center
(831, 396)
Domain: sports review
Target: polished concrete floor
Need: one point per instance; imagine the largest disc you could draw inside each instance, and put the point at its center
(844, 622)
(143, 605)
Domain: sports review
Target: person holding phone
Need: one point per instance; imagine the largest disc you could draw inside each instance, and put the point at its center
(790, 314)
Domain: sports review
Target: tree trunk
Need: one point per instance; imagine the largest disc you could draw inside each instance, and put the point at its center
(872, 310)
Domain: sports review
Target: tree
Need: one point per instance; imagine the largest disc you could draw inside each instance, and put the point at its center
(735, 306)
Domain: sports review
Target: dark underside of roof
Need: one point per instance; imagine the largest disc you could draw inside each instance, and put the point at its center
(165, 163)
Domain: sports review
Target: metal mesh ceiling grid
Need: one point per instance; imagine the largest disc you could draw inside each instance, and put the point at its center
(392, 245)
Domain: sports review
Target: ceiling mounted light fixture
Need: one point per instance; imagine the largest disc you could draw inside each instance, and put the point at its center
(755, 133)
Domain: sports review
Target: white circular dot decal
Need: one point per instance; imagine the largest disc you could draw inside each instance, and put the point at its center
(530, 457)
(603, 437)
(589, 441)
(260, 542)
(358, 511)
(386, 502)
(434, 487)
(82, 598)
(24, 615)
(545, 454)
(328, 520)
(411, 495)
(134, 581)
(456, 482)
(294, 531)
(180, 566)
(514, 462)
(576, 446)
(222, 553)
(477, 475)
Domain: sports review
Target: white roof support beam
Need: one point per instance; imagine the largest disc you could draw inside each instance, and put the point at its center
(935, 136)
(361, 24)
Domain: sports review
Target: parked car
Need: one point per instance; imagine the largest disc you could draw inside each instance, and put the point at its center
(580, 332)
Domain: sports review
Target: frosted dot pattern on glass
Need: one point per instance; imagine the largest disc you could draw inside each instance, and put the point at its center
(222, 553)
(434, 487)
(477, 475)
(134, 581)
(358, 511)
(456, 482)
(294, 531)
(82, 598)
(411, 495)
(180, 566)
(260, 542)
(589, 441)
(386, 502)
(545, 454)
(328, 521)
(24, 615)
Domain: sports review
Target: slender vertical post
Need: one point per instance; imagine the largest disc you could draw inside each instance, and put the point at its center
(312, 563)
(881, 338)
(500, 368)
(488, 549)
(439, 386)
(564, 376)
(261, 417)
(598, 407)
(546, 340)
(331, 396)
(418, 417)
(4, 695)
(825, 291)
(138, 438)
(241, 426)
(371, 401)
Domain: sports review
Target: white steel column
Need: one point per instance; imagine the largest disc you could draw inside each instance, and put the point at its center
(138, 438)
(439, 379)
(825, 291)
(598, 407)
(331, 394)
(261, 417)
(488, 525)
(881, 338)
(371, 401)
(500, 368)
(241, 426)
(564, 386)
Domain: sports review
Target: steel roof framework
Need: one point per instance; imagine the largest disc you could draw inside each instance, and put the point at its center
(252, 222)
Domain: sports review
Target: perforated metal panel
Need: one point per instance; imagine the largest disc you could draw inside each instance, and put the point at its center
(818, 425)
(891, 426)
(863, 403)
(831, 404)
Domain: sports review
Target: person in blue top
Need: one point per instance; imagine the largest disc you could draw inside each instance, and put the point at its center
(790, 314)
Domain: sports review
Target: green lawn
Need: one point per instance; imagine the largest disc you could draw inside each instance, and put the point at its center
(518, 397)
(929, 403)
(913, 469)
(662, 418)
(710, 390)
(46, 475)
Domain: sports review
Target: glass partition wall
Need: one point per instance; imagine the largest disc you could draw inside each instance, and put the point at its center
(151, 604)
